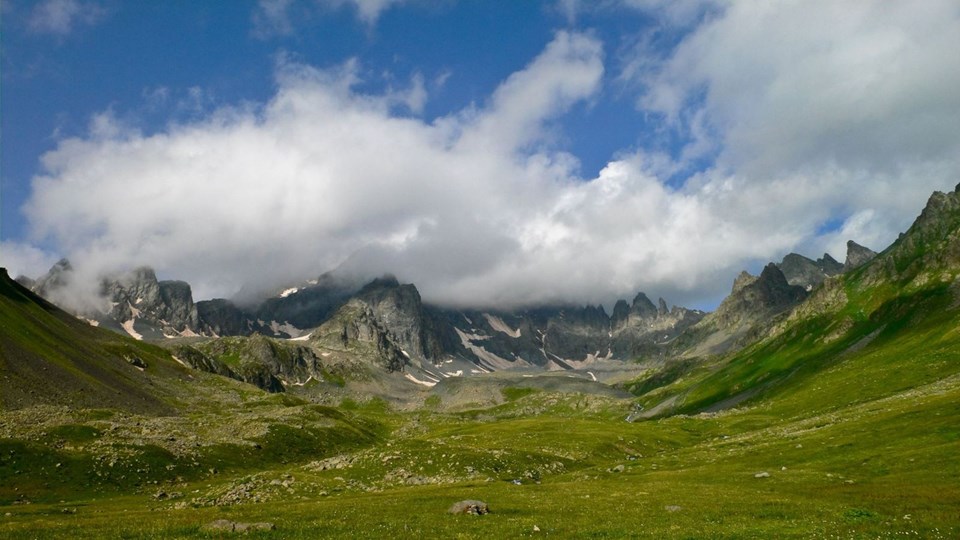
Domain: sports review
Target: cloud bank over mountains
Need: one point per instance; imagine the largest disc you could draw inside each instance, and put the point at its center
(819, 123)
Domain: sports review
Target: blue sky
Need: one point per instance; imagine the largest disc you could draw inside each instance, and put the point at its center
(491, 152)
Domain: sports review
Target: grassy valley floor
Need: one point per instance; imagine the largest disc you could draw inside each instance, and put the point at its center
(563, 466)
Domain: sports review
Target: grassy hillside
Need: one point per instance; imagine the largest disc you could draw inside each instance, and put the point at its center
(50, 357)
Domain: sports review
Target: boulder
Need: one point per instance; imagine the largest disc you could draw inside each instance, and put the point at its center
(469, 506)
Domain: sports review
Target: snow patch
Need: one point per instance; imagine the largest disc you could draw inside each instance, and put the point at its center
(128, 327)
(428, 384)
(287, 292)
(187, 332)
(495, 362)
(497, 324)
(310, 378)
(179, 361)
(301, 338)
(91, 322)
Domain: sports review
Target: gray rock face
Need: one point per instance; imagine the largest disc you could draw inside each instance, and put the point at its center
(219, 317)
(307, 305)
(385, 322)
(258, 360)
(567, 336)
(397, 309)
(156, 308)
(137, 295)
(768, 295)
(807, 273)
(857, 255)
(741, 281)
(930, 247)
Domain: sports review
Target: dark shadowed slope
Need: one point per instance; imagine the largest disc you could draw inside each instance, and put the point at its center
(49, 357)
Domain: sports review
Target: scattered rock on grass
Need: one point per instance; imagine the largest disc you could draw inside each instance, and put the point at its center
(763, 474)
(472, 507)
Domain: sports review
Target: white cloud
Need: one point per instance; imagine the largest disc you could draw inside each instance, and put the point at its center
(24, 259)
(849, 106)
(61, 17)
(834, 117)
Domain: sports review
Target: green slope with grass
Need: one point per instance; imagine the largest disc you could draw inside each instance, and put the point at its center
(48, 357)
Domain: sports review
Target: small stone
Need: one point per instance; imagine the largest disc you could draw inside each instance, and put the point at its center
(618, 468)
(536, 529)
(763, 474)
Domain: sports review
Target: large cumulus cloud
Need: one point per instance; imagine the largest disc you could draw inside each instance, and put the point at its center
(821, 122)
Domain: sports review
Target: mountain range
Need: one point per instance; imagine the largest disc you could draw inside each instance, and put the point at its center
(397, 331)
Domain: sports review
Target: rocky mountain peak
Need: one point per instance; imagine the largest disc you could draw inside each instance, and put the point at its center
(643, 307)
(743, 279)
(755, 299)
(138, 295)
(386, 281)
(57, 277)
(807, 273)
(857, 255)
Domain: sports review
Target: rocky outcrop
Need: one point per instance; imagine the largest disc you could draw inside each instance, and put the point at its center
(762, 298)
(470, 507)
(752, 306)
(133, 302)
(857, 256)
(308, 304)
(807, 273)
(357, 328)
(928, 250)
(267, 363)
(386, 323)
(138, 297)
(219, 317)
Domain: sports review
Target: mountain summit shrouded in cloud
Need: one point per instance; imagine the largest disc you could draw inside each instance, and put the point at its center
(792, 126)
